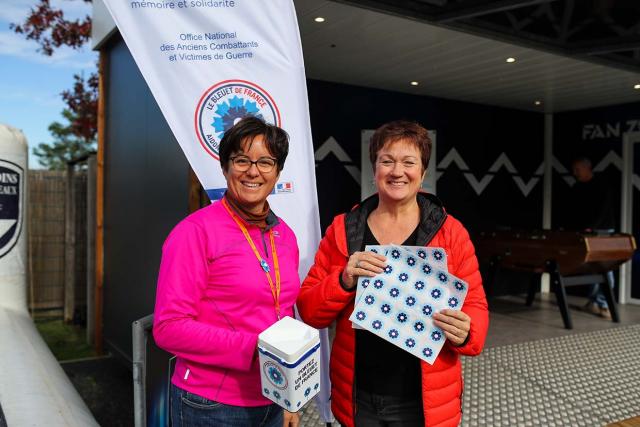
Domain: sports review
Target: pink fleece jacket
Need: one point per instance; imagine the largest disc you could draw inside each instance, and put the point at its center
(213, 299)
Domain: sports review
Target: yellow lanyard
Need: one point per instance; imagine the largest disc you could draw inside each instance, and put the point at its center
(275, 290)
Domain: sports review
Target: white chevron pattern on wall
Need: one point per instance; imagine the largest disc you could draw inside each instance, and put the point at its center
(479, 185)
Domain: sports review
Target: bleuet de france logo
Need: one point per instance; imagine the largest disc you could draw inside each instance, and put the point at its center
(224, 104)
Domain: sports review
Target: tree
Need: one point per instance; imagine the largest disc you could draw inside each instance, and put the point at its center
(78, 137)
(50, 29)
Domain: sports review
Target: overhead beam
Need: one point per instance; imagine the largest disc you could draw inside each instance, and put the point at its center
(600, 47)
(460, 11)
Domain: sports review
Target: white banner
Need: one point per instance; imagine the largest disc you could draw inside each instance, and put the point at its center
(210, 63)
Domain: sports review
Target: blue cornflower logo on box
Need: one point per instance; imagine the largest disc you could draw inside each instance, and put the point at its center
(276, 395)
(388, 269)
(411, 261)
(418, 326)
(275, 375)
(224, 104)
(422, 254)
(436, 335)
(459, 285)
(393, 334)
(376, 324)
(385, 308)
(410, 342)
(395, 254)
(369, 299)
(365, 283)
(378, 284)
(443, 277)
(453, 302)
(361, 315)
(307, 392)
(410, 301)
(427, 352)
(403, 277)
(437, 255)
(402, 317)
(426, 269)
(286, 402)
(394, 292)
(436, 293)
(419, 285)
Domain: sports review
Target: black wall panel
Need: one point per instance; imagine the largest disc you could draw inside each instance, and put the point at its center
(146, 188)
(479, 134)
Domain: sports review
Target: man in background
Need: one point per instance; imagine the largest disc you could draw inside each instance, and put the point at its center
(592, 211)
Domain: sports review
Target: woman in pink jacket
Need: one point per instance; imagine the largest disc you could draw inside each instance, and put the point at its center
(228, 272)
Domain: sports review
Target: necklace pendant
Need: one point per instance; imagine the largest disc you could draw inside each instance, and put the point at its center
(264, 265)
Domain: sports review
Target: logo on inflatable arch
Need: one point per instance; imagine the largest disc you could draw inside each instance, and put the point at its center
(11, 189)
(224, 104)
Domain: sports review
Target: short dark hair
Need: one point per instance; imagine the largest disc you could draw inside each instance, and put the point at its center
(276, 139)
(397, 130)
(582, 159)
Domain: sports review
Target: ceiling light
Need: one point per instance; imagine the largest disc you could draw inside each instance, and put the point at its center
(538, 102)
(511, 59)
(637, 86)
(319, 19)
(414, 83)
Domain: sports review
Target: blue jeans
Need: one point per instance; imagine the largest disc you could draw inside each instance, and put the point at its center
(376, 410)
(596, 296)
(191, 410)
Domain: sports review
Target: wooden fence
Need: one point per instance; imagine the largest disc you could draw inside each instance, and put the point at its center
(48, 242)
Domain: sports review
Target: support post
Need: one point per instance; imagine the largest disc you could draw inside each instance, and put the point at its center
(69, 246)
(91, 248)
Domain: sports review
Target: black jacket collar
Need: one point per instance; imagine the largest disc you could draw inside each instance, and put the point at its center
(432, 216)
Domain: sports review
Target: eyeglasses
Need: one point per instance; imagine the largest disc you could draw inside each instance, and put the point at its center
(243, 163)
(388, 163)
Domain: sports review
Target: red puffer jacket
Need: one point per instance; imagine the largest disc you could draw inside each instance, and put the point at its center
(322, 300)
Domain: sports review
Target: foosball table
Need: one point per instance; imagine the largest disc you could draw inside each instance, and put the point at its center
(571, 258)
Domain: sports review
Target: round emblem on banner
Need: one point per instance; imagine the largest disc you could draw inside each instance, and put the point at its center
(224, 104)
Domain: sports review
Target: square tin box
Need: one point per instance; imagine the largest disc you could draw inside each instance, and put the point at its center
(289, 363)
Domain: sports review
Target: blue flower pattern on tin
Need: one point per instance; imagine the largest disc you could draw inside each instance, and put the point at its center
(453, 302)
(378, 284)
(393, 333)
(394, 292)
(402, 317)
(410, 342)
(436, 335)
(385, 308)
(419, 285)
(411, 261)
(276, 395)
(376, 324)
(436, 293)
(418, 326)
(365, 283)
(426, 269)
(422, 254)
(459, 286)
(369, 299)
(307, 392)
(361, 315)
(395, 254)
(286, 402)
(388, 269)
(403, 277)
(410, 301)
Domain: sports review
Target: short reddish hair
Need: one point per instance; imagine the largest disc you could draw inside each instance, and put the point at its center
(401, 130)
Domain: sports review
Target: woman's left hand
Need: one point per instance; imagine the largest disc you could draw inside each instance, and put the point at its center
(291, 419)
(454, 323)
